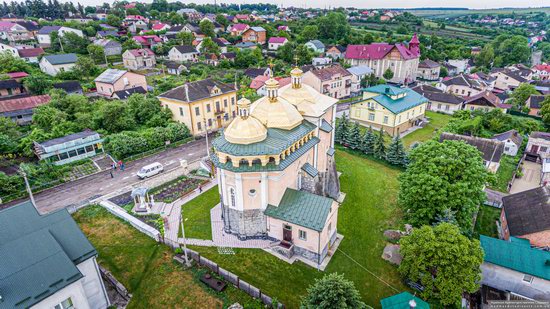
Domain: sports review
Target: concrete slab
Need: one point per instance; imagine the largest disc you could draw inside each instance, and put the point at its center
(530, 179)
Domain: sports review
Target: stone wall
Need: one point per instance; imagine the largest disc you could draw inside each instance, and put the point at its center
(308, 183)
(245, 224)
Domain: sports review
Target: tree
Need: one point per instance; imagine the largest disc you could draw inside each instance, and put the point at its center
(113, 20)
(208, 46)
(12, 64)
(332, 291)
(396, 154)
(443, 72)
(341, 129)
(368, 141)
(222, 20)
(46, 117)
(380, 145)
(353, 136)
(207, 27)
(485, 57)
(85, 66)
(97, 53)
(37, 84)
(521, 94)
(545, 111)
(388, 74)
(511, 49)
(186, 38)
(130, 44)
(448, 175)
(113, 116)
(333, 27)
(73, 43)
(442, 260)
(310, 32)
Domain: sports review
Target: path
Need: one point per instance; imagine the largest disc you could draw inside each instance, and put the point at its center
(530, 178)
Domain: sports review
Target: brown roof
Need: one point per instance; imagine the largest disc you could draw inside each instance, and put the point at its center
(485, 96)
(327, 73)
(23, 103)
(30, 52)
(428, 64)
(198, 90)
(543, 135)
(528, 212)
(491, 150)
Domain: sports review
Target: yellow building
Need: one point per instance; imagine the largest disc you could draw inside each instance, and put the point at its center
(393, 109)
(201, 104)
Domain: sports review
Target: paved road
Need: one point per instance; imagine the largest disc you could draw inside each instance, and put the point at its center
(93, 186)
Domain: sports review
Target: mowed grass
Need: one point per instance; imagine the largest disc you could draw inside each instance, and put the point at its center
(146, 268)
(196, 214)
(437, 121)
(369, 208)
(505, 173)
(486, 221)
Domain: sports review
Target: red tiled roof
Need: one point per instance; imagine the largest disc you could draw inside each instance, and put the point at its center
(542, 67)
(17, 74)
(23, 103)
(158, 26)
(30, 52)
(278, 40)
(140, 52)
(239, 27)
(376, 51)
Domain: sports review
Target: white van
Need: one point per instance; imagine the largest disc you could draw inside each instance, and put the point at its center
(150, 170)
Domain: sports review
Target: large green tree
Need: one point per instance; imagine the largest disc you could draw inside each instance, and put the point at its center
(443, 175)
(521, 94)
(396, 154)
(545, 111)
(511, 49)
(207, 27)
(380, 145)
(333, 27)
(332, 291)
(442, 260)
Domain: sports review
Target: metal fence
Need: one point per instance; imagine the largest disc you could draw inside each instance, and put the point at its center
(233, 279)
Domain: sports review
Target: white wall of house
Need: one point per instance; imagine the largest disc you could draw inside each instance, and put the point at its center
(506, 279)
(53, 70)
(538, 145)
(402, 69)
(175, 55)
(510, 148)
(4, 48)
(443, 107)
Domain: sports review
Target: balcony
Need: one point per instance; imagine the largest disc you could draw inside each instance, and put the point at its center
(219, 112)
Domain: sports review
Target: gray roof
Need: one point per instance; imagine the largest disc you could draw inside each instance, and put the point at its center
(68, 138)
(48, 29)
(542, 135)
(198, 90)
(318, 44)
(39, 254)
(512, 135)
(258, 29)
(126, 93)
(528, 212)
(186, 49)
(331, 151)
(491, 150)
(310, 170)
(61, 58)
(110, 76)
(325, 126)
(69, 86)
(360, 70)
(9, 84)
(245, 44)
(427, 63)
(105, 33)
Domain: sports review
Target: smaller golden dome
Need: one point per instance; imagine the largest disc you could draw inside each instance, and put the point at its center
(245, 129)
(296, 71)
(243, 103)
(276, 114)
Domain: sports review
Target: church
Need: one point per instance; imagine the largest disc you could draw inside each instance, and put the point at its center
(276, 170)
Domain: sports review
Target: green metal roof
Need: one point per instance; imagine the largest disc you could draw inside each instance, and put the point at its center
(325, 126)
(401, 301)
(38, 254)
(410, 100)
(277, 141)
(310, 169)
(518, 255)
(257, 167)
(385, 88)
(302, 208)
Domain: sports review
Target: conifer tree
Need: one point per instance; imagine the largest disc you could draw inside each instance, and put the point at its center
(367, 145)
(379, 146)
(341, 129)
(353, 137)
(396, 154)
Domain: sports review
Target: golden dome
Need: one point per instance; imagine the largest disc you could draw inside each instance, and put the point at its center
(307, 100)
(245, 129)
(296, 71)
(276, 114)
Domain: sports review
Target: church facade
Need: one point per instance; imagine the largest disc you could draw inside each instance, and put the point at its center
(276, 170)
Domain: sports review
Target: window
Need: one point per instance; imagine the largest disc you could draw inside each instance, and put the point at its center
(543, 149)
(357, 113)
(199, 126)
(386, 119)
(208, 108)
(66, 304)
(329, 228)
(181, 111)
(72, 153)
(302, 235)
(233, 101)
(209, 122)
(371, 116)
(81, 151)
(225, 103)
(252, 192)
(89, 148)
(447, 107)
(527, 278)
(197, 111)
(233, 113)
(399, 119)
(232, 196)
(439, 106)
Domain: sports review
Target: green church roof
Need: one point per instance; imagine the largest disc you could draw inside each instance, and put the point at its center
(401, 301)
(410, 100)
(518, 255)
(302, 208)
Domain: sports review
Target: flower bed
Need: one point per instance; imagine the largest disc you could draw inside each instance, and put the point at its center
(175, 189)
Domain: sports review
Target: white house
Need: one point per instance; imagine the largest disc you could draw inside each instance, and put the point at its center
(539, 144)
(5, 48)
(54, 64)
(316, 45)
(357, 74)
(512, 142)
(460, 64)
(47, 262)
(183, 53)
(43, 35)
(275, 42)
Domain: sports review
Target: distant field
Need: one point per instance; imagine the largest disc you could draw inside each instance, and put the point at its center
(430, 28)
(454, 13)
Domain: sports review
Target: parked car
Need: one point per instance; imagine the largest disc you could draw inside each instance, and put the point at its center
(150, 170)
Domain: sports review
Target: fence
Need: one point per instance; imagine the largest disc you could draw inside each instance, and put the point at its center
(231, 278)
(511, 182)
(121, 213)
(157, 150)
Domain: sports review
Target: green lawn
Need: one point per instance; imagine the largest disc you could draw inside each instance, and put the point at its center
(196, 214)
(505, 172)
(146, 268)
(369, 209)
(437, 120)
(485, 222)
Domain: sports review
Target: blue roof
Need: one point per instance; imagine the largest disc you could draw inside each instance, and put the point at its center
(518, 255)
(410, 100)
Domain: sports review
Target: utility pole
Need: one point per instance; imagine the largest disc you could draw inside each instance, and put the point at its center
(187, 263)
(22, 172)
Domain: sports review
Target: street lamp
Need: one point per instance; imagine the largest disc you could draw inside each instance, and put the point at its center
(206, 127)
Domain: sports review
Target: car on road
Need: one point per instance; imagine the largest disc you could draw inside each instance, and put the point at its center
(150, 170)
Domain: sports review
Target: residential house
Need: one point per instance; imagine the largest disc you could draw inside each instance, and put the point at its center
(542, 86)
(451, 69)
(14, 32)
(5, 48)
(335, 51)
(238, 29)
(316, 46)
(541, 71)
(358, 73)
(32, 28)
(20, 109)
(10, 87)
(103, 34)
(135, 23)
(159, 27)
(246, 45)
(43, 35)
(534, 103)
(201, 105)
(283, 28)
(112, 80)
(30, 55)
(393, 109)
(70, 87)
(429, 70)
(334, 81)
(139, 59)
(47, 262)
(538, 144)
(487, 79)
(256, 35)
(513, 270)
(126, 93)
(526, 215)
(110, 47)
(491, 150)
(69, 148)
(486, 101)
(253, 72)
(507, 79)
(175, 68)
(512, 141)
(321, 62)
(147, 41)
(402, 60)
(194, 29)
(439, 101)
(222, 44)
(243, 17)
(176, 29)
(462, 65)
(183, 53)
(462, 85)
(258, 83)
(275, 42)
(191, 14)
(54, 64)
(404, 300)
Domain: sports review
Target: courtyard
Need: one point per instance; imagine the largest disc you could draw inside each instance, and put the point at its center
(437, 121)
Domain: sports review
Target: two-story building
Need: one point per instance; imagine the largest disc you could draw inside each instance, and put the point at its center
(54, 64)
(439, 101)
(43, 35)
(257, 35)
(112, 80)
(5, 48)
(238, 29)
(139, 59)
(507, 79)
(429, 70)
(512, 141)
(183, 53)
(358, 73)
(463, 85)
(202, 105)
(395, 110)
(334, 81)
(538, 144)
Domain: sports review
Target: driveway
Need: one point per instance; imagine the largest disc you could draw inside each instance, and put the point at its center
(94, 186)
(530, 178)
